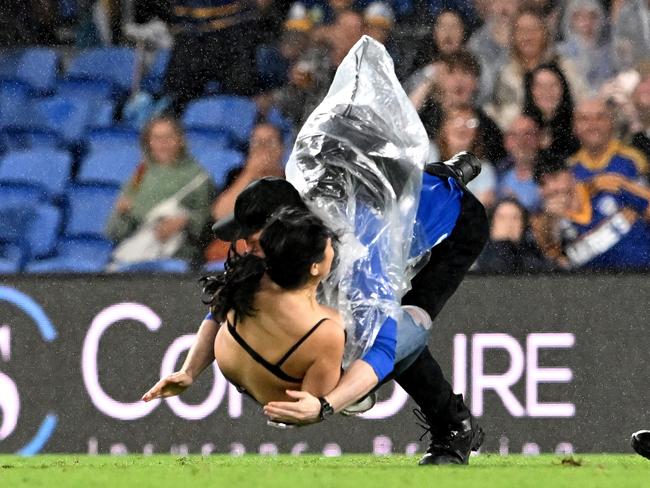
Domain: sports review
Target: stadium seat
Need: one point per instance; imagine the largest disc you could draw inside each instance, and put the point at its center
(235, 114)
(214, 267)
(14, 98)
(219, 163)
(41, 237)
(89, 208)
(37, 67)
(75, 255)
(157, 266)
(11, 258)
(109, 165)
(111, 137)
(9, 61)
(113, 64)
(23, 138)
(19, 194)
(153, 81)
(16, 221)
(43, 168)
(200, 141)
(85, 89)
(68, 116)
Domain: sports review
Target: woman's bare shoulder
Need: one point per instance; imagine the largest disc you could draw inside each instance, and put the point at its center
(333, 315)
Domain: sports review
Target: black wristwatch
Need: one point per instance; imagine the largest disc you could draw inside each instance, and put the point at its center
(326, 409)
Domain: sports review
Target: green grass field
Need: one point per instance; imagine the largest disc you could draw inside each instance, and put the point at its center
(611, 471)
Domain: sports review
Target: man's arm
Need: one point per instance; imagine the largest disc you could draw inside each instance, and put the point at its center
(201, 355)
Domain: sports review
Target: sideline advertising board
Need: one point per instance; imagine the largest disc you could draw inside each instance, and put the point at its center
(547, 364)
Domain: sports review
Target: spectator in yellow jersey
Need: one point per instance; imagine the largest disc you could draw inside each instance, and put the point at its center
(600, 152)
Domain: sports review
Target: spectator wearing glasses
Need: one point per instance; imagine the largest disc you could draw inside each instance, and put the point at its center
(459, 132)
(457, 89)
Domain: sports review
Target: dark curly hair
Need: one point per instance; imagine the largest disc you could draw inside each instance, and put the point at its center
(292, 241)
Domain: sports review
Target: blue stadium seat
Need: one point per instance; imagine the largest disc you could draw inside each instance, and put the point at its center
(219, 163)
(85, 89)
(68, 116)
(16, 221)
(109, 165)
(157, 266)
(111, 137)
(89, 208)
(236, 114)
(20, 195)
(153, 81)
(11, 258)
(23, 138)
(14, 98)
(41, 237)
(37, 67)
(75, 255)
(9, 61)
(214, 267)
(113, 64)
(200, 140)
(43, 168)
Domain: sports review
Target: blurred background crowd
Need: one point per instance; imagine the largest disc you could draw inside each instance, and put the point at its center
(128, 127)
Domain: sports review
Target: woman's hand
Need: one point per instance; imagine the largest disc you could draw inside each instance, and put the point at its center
(170, 226)
(123, 205)
(172, 385)
(305, 410)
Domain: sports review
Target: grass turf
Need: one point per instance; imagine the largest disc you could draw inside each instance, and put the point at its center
(358, 471)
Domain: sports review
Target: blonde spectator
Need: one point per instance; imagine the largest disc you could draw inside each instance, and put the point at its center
(164, 208)
(531, 46)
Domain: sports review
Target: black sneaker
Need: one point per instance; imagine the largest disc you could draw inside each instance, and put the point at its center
(641, 443)
(453, 446)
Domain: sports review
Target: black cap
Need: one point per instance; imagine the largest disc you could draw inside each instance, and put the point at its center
(254, 205)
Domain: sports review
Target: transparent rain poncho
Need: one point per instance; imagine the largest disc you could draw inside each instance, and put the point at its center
(358, 162)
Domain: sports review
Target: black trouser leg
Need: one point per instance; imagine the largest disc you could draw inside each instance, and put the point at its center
(450, 260)
(431, 288)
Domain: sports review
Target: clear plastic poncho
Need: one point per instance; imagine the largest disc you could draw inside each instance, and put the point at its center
(358, 162)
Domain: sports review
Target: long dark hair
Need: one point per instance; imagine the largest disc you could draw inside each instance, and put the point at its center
(562, 121)
(292, 241)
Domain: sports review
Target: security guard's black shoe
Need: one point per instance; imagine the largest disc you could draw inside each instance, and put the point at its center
(454, 446)
(464, 166)
(641, 443)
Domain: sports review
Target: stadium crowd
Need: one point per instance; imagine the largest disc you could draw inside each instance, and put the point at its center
(127, 128)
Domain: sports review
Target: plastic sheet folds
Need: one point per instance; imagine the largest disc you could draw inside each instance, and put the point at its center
(358, 164)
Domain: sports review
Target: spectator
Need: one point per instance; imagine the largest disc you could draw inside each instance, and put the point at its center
(166, 172)
(215, 41)
(448, 36)
(584, 26)
(264, 159)
(600, 152)
(531, 46)
(523, 145)
(458, 85)
(311, 75)
(379, 21)
(491, 43)
(274, 61)
(600, 224)
(548, 101)
(459, 132)
(641, 99)
(509, 251)
(632, 32)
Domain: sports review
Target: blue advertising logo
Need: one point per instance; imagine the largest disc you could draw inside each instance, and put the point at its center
(49, 334)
